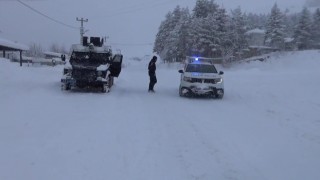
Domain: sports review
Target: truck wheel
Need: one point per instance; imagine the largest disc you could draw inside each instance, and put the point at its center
(105, 88)
(65, 87)
(110, 81)
(219, 96)
(180, 93)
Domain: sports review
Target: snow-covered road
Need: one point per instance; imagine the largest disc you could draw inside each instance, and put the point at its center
(267, 126)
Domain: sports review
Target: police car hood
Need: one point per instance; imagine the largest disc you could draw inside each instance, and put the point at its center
(201, 75)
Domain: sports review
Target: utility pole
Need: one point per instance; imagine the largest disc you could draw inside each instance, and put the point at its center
(82, 28)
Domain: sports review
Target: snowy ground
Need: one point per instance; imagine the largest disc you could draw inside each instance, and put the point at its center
(267, 127)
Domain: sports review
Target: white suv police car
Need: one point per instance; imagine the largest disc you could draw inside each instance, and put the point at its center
(201, 78)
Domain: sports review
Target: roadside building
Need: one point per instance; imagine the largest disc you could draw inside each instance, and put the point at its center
(7, 47)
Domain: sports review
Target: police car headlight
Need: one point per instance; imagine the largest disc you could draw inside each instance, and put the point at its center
(218, 80)
(187, 79)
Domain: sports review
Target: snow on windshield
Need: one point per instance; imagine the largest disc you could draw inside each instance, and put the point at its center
(89, 58)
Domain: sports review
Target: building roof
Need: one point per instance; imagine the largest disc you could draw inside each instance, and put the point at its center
(12, 46)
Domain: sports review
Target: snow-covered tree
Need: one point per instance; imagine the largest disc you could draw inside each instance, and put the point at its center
(193, 40)
(54, 47)
(290, 21)
(161, 37)
(238, 30)
(182, 28)
(63, 49)
(205, 26)
(254, 21)
(316, 27)
(226, 46)
(209, 37)
(275, 29)
(204, 8)
(313, 3)
(170, 40)
(303, 34)
(35, 50)
(210, 31)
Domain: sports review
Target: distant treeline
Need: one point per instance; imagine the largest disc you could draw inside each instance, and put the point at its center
(209, 30)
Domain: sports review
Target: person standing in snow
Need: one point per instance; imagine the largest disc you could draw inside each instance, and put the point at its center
(152, 73)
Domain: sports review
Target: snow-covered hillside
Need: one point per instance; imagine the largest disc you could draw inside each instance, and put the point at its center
(267, 126)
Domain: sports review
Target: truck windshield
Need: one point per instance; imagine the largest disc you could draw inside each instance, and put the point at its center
(89, 58)
(201, 68)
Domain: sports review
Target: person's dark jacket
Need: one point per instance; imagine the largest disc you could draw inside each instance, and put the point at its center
(152, 67)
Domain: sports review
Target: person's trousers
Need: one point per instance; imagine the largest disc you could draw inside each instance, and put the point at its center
(153, 81)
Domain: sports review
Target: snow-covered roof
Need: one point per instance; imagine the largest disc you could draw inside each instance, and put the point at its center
(81, 48)
(256, 31)
(52, 53)
(13, 45)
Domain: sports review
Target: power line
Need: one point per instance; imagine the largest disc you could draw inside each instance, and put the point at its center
(139, 8)
(132, 10)
(46, 16)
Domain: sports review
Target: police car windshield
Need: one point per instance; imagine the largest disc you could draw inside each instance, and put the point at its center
(201, 68)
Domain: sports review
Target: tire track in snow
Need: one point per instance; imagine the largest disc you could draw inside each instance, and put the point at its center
(195, 151)
(195, 148)
(191, 149)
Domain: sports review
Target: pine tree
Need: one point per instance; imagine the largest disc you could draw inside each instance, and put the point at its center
(254, 21)
(209, 38)
(316, 27)
(303, 34)
(162, 35)
(275, 32)
(238, 30)
(183, 34)
(204, 36)
(226, 47)
(313, 3)
(204, 8)
(175, 45)
(35, 50)
(170, 40)
(193, 45)
(290, 21)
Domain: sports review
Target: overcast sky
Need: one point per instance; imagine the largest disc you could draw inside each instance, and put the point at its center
(131, 25)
